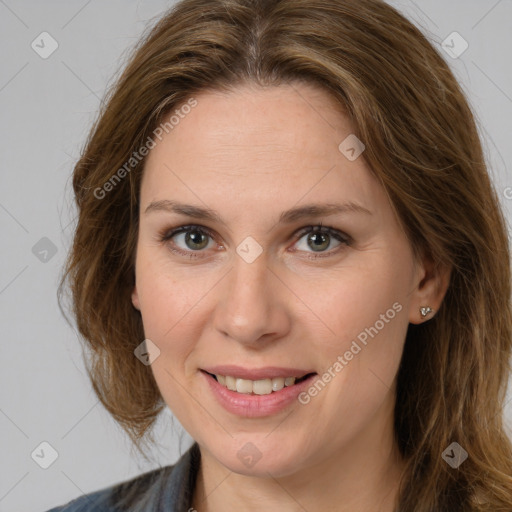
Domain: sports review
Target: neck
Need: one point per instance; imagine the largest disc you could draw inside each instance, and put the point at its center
(361, 476)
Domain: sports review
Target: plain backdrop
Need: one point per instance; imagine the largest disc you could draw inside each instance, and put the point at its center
(47, 107)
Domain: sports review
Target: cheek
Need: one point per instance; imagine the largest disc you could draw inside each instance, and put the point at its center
(365, 311)
(167, 309)
(346, 302)
(167, 304)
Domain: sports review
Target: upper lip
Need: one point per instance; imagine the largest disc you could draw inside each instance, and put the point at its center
(268, 372)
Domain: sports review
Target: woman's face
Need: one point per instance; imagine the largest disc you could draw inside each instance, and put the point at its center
(249, 292)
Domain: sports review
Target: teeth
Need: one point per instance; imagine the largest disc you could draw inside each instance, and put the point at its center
(262, 387)
(258, 387)
(230, 383)
(244, 386)
(277, 383)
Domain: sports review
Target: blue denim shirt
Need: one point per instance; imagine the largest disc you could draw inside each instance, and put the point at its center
(167, 489)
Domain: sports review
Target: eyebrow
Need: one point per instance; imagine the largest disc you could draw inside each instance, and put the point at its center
(287, 217)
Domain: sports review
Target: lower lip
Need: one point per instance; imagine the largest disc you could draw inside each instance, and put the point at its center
(256, 406)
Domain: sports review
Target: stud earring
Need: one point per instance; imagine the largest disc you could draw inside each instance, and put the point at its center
(425, 311)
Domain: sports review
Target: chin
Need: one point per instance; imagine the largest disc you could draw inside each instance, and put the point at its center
(259, 456)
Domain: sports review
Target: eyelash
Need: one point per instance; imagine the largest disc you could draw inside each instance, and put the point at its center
(345, 240)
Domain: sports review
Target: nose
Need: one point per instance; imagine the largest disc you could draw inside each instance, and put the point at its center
(251, 308)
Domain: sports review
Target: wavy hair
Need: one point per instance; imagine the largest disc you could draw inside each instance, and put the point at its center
(422, 144)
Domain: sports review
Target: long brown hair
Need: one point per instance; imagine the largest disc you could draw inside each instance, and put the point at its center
(422, 144)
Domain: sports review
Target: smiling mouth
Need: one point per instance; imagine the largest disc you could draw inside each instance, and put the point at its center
(257, 387)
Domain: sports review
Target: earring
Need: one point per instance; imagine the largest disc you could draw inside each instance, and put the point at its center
(425, 311)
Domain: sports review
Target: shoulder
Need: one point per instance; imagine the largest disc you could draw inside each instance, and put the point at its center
(106, 499)
(169, 484)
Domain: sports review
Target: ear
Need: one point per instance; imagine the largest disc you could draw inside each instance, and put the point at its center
(135, 298)
(432, 282)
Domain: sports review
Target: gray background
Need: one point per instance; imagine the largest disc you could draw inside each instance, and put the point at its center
(47, 108)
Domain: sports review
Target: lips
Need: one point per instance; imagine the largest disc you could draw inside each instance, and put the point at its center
(256, 405)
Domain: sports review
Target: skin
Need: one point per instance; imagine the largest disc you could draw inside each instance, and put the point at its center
(251, 154)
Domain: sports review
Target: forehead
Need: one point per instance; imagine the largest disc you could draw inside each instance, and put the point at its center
(257, 146)
(261, 121)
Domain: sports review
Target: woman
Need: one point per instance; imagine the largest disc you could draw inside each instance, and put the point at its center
(287, 235)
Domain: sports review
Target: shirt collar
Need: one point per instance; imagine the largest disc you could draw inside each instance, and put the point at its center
(179, 489)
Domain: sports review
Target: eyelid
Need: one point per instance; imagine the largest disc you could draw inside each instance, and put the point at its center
(320, 228)
(167, 234)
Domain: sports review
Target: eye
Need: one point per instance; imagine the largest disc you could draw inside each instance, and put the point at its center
(320, 238)
(187, 240)
(191, 240)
